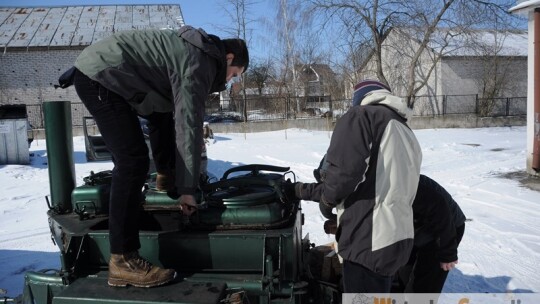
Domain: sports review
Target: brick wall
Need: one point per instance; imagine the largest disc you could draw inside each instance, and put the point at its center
(27, 77)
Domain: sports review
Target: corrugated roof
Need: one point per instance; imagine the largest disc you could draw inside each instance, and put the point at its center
(80, 25)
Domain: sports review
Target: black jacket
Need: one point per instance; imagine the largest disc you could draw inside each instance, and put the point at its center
(436, 217)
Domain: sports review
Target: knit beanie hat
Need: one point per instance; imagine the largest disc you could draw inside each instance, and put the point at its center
(364, 87)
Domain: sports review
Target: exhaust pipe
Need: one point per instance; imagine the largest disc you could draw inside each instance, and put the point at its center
(59, 136)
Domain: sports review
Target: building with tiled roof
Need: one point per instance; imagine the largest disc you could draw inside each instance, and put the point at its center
(38, 43)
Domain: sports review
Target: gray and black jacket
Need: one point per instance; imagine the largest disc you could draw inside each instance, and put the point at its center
(163, 71)
(372, 176)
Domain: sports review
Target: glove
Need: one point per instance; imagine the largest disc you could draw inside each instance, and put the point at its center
(326, 211)
(317, 175)
(288, 190)
(188, 204)
(330, 227)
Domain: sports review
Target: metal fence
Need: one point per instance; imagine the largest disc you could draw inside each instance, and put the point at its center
(289, 107)
(35, 114)
(272, 108)
(502, 106)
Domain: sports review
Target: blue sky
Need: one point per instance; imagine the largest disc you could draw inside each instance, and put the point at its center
(207, 14)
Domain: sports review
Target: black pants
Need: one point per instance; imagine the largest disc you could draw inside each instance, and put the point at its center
(358, 279)
(121, 132)
(423, 273)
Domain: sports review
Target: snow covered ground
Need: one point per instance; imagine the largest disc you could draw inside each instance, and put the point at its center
(500, 251)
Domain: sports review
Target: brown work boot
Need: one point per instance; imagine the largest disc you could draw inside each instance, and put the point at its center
(164, 182)
(132, 269)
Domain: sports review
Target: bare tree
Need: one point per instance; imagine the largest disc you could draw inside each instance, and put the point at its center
(288, 27)
(497, 64)
(238, 10)
(420, 20)
(259, 74)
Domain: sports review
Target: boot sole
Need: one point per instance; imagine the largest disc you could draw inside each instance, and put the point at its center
(123, 283)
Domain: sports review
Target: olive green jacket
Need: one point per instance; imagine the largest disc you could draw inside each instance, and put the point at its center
(163, 71)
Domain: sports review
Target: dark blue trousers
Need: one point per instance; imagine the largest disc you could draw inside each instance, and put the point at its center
(120, 128)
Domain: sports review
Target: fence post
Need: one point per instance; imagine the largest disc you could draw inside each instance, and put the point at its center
(287, 107)
(508, 106)
(476, 105)
(244, 112)
(444, 102)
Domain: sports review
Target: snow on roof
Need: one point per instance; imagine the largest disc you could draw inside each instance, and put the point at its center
(80, 25)
(489, 42)
(474, 42)
(525, 5)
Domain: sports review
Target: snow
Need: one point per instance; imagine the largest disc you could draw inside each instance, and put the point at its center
(528, 4)
(499, 252)
(481, 43)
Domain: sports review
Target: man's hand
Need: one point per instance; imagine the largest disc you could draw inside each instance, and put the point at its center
(288, 189)
(330, 227)
(448, 266)
(188, 204)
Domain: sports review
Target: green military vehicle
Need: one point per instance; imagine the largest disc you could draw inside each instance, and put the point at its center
(244, 245)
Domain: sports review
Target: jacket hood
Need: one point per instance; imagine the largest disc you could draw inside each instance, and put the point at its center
(384, 97)
(212, 46)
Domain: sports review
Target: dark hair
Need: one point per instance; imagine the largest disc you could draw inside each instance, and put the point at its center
(238, 48)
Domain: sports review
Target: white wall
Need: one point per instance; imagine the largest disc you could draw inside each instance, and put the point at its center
(461, 74)
(530, 96)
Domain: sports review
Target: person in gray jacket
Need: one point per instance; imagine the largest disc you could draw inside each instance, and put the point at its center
(372, 176)
(151, 73)
(439, 225)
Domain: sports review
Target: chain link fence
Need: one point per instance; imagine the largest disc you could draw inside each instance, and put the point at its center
(266, 108)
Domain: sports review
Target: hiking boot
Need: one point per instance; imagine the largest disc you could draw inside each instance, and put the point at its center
(164, 182)
(132, 269)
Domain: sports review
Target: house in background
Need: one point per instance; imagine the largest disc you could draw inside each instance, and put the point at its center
(531, 9)
(318, 88)
(315, 82)
(39, 43)
(455, 67)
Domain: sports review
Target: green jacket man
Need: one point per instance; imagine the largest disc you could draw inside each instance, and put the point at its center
(151, 73)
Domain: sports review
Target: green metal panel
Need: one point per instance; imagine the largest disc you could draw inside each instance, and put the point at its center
(250, 215)
(59, 136)
(41, 287)
(218, 252)
(199, 251)
(157, 198)
(97, 250)
(91, 199)
(253, 209)
(94, 289)
(191, 251)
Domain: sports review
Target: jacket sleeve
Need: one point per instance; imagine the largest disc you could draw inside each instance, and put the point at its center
(191, 82)
(348, 157)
